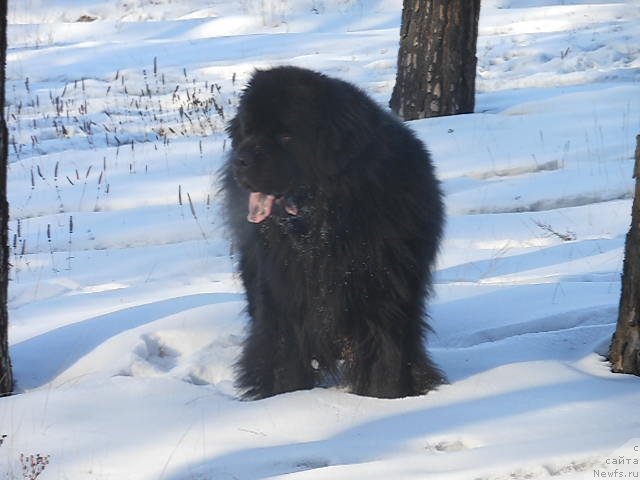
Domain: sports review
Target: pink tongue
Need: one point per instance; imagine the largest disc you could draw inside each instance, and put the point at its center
(259, 206)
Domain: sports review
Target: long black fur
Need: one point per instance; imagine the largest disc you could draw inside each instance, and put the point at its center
(336, 291)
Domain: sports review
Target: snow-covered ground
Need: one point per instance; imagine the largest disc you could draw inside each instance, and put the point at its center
(126, 316)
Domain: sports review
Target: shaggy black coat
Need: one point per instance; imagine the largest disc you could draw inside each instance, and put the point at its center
(335, 216)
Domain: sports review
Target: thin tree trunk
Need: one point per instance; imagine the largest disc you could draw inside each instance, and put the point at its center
(6, 377)
(437, 58)
(624, 353)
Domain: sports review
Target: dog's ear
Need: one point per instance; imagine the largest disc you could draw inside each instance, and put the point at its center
(348, 125)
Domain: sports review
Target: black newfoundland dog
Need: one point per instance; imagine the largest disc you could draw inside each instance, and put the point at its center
(336, 216)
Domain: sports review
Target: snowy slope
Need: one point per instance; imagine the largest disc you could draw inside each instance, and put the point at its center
(126, 316)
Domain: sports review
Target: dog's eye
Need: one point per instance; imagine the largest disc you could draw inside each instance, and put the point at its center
(285, 138)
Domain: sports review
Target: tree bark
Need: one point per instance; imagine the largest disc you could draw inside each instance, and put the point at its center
(6, 377)
(437, 58)
(624, 353)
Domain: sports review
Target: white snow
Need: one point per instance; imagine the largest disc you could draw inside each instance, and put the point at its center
(126, 316)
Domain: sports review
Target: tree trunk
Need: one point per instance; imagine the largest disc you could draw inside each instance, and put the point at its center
(437, 58)
(624, 353)
(6, 377)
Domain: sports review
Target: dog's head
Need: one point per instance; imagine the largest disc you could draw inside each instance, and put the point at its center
(295, 130)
